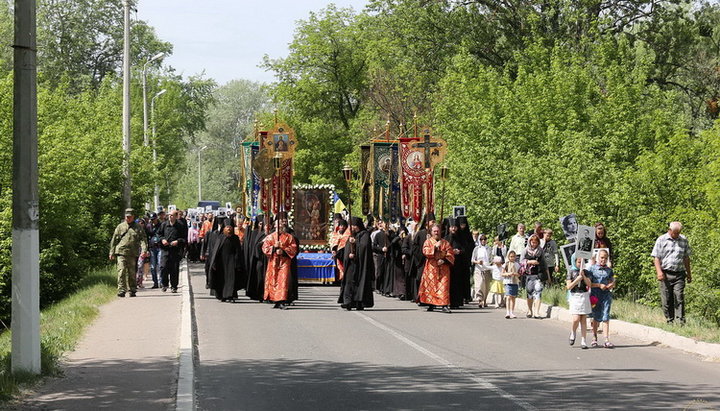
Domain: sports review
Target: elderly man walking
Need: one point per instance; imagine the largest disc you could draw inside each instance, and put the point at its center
(671, 255)
(128, 242)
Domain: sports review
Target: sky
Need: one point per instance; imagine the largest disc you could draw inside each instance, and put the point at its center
(227, 39)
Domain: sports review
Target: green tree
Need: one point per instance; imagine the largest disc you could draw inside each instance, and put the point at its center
(83, 39)
(230, 120)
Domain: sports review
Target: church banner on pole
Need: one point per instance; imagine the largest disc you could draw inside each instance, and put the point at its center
(385, 187)
(365, 176)
(418, 158)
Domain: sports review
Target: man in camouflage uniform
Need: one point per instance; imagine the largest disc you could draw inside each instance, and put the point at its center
(128, 242)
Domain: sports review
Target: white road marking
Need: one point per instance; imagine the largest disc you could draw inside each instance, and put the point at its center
(483, 383)
(185, 396)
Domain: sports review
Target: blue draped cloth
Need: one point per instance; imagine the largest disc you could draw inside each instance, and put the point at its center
(316, 268)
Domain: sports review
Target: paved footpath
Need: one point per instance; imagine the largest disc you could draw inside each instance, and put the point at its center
(127, 359)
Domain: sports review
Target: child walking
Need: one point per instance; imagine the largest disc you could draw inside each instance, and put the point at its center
(578, 283)
(496, 288)
(603, 281)
(511, 280)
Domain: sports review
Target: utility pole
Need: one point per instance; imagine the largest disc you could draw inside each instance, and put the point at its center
(127, 199)
(156, 196)
(146, 139)
(25, 354)
(200, 150)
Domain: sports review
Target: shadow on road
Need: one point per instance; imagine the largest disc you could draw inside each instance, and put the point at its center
(142, 384)
(320, 385)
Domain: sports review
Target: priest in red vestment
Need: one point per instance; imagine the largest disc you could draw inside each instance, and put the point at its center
(435, 284)
(337, 243)
(280, 251)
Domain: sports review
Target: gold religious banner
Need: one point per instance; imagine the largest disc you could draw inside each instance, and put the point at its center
(281, 140)
(263, 164)
(431, 150)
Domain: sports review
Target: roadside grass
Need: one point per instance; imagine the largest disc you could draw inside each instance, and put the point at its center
(61, 326)
(632, 312)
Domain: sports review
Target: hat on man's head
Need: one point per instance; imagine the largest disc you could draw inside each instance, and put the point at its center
(129, 212)
(153, 216)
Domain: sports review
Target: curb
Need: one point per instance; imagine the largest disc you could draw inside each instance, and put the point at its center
(652, 335)
(185, 397)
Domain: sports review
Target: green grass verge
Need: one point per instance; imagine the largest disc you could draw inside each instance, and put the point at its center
(632, 312)
(61, 326)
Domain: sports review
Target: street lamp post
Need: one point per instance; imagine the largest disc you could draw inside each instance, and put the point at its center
(156, 195)
(144, 86)
(200, 175)
(348, 176)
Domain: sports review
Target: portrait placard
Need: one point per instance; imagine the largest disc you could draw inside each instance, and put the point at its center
(458, 211)
(567, 251)
(502, 231)
(585, 241)
(569, 226)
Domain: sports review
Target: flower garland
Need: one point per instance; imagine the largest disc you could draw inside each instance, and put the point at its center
(331, 196)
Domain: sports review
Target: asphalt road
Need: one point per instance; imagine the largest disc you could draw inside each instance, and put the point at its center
(315, 356)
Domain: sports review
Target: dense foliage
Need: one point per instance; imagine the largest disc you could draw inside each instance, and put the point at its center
(601, 108)
(80, 136)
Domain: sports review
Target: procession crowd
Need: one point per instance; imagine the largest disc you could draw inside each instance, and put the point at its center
(440, 266)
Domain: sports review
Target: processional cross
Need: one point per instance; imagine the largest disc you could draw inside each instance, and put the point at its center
(427, 145)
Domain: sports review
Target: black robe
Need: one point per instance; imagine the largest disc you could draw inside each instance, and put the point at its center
(410, 269)
(356, 285)
(226, 267)
(256, 273)
(381, 260)
(418, 257)
(465, 259)
(460, 273)
(247, 252)
(378, 242)
(209, 249)
(395, 267)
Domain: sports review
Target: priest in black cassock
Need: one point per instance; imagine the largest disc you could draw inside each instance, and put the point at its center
(397, 264)
(411, 285)
(256, 261)
(356, 285)
(209, 247)
(460, 274)
(226, 264)
(380, 246)
(465, 259)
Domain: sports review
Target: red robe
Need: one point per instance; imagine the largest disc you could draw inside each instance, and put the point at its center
(277, 274)
(435, 284)
(337, 242)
